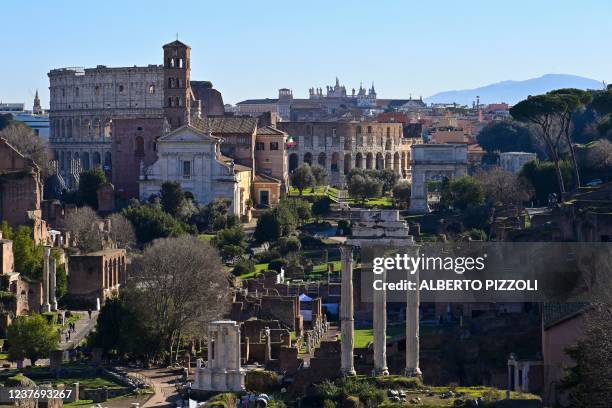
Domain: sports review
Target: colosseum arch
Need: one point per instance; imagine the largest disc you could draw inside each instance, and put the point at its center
(388, 161)
(85, 161)
(108, 127)
(97, 129)
(369, 160)
(380, 162)
(86, 128)
(322, 160)
(359, 161)
(308, 158)
(77, 128)
(396, 162)
(347, 163)
(96, 161)
(335, 159)
(69, 128)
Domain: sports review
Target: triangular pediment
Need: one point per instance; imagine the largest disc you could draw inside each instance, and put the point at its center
(187, 133)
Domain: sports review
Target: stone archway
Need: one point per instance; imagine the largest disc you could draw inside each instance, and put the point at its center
(388, 161)
(322, 160)
(308, 158)
(431, 160)
(396, 163)
(335, 159)
(380, 162)
(347, 163)
(358, 161)
(369, 161)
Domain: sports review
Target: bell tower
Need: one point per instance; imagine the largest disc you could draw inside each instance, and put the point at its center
(177, 89)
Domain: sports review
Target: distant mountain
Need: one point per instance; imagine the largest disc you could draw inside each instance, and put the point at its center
(514, 91)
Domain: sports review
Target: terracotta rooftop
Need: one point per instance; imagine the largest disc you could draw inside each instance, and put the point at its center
(226, 124)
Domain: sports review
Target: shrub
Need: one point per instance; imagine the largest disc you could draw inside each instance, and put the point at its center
(289, 244)
(262, 381)
(243, 267)
(267, 256)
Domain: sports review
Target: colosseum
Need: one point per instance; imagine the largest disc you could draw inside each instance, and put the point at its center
(84, 102)
(341, 146)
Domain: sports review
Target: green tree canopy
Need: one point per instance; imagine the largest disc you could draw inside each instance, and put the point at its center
(28, 256)
(319, 175)
(463, 192)
(302, 178)
(151, 223)
(268, 228)
(542, 176)
(363, 187)
(172, 197)
(89, 182)
(31, 337)
(506, 136)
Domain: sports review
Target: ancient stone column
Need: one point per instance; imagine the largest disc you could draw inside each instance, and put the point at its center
(380, 329)
(412, 327)
(46, 307)
(347, 321)
(53, 284)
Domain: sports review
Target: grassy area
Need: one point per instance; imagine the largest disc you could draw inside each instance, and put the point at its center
(320, 268)
(363, 337)
(206, 237)
(258, 268)
(79, 403)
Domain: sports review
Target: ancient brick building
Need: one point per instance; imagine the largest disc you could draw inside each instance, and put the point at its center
(96, 275)
(341, 146)
(21, 188)
(84, 103)
(134, 147)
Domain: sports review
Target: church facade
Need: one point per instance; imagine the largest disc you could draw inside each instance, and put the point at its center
(193, 158)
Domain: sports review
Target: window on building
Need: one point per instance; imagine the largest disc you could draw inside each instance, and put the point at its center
(260, 146)
(369, 129)
(63, 92)
(76, 91)
(273, 145)
(121, 88)
(186, 169)
(358, 130)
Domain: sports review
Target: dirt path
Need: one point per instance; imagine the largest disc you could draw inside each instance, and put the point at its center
(163, 382)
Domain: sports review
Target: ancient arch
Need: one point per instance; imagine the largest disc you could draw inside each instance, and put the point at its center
(335, 158)
(380, 162)
(396, 162)
(358, 161)
(322, 160)
(388, 161)
(85, 161)
(308, 158)
(432, 161)
(369, 160)
(96, 159)
(347, 163)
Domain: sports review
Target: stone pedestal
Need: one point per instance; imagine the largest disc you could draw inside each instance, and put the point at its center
(223, 372)
(347, 321)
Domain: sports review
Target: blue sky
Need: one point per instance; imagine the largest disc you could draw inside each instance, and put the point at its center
(251, 48)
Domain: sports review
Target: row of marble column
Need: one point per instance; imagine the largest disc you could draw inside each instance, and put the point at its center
(347, 323)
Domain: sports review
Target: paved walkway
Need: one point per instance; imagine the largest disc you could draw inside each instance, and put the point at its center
(83, 327)
(163, 382)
